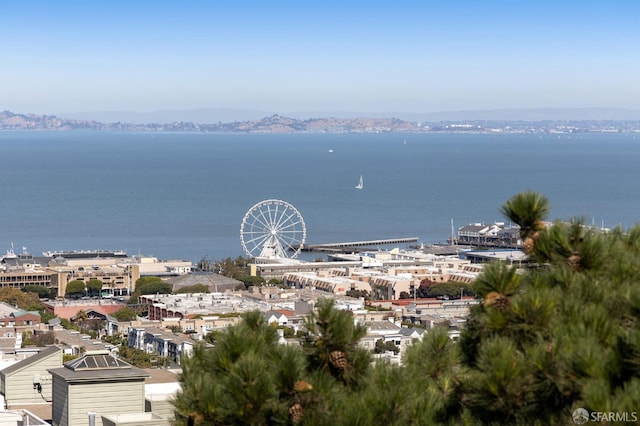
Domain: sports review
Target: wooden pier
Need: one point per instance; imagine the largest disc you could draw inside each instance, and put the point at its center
(355, 245)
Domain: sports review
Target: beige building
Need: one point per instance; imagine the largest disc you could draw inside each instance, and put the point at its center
(159, 395)
(277, 270)
(399, 272)
(117, 278)
(21, 278)
(152, 266)
(99, 385)
(18, 271)
(395, 258)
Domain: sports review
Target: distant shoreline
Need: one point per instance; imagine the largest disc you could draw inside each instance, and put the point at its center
(278, 124)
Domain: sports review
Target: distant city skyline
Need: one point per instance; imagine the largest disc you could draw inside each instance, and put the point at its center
(286, 57)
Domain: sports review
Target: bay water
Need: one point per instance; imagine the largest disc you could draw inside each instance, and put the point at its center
(184, 195)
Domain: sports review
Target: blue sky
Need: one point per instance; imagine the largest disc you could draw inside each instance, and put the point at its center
(286, 56)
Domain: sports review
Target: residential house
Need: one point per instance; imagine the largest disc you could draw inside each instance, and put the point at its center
(390, 331)
(21, 319)
(102, 390)
(28, 382)
(280, 318)
(160, 342)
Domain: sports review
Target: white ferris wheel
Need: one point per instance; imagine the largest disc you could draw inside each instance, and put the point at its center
(272, 229)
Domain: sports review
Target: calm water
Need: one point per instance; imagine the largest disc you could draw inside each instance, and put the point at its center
(184, 195)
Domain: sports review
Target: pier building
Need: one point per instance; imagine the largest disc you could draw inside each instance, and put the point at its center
(488, 235)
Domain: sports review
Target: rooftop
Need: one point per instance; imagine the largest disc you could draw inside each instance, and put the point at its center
(98, 365)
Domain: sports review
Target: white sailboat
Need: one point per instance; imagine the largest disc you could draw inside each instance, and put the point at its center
(360, 183)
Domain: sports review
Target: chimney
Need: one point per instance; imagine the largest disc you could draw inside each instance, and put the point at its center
(92, 418)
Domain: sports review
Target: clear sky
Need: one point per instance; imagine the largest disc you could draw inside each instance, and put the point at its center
(285, 56)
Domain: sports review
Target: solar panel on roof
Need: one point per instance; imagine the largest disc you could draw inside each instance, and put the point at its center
(96, 362)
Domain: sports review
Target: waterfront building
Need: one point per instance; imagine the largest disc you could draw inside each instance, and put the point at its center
(364, 261)
(117, 272)
(489, 235)
(510, 256)
(23, 270)
(118, 277)
(152, 266)
(404, 273)
(279, 269)
(20, 270)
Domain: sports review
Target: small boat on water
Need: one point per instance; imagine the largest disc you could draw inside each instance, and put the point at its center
(360, 184)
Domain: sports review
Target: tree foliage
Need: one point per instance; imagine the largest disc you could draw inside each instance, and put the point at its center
(94, 287)
(250, 280)
(68, 325)
(42, 291)
(140, 358)
(38, 339)
(450, 290)
(155, 288)
(561, 333)
(125, 314)
(331, 343)
(559, 336)
(382, 347)
(528, 210)
(149, 285)
(145, 282)
(229, 267)
(248, 378)
(75, 289)
(16, 297)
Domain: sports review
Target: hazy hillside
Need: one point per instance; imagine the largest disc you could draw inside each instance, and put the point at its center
(205, 122)
(200, 115)
(225, 115)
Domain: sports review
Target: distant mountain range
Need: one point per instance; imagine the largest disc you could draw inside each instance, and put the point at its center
(225, 115)
(206, 120)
